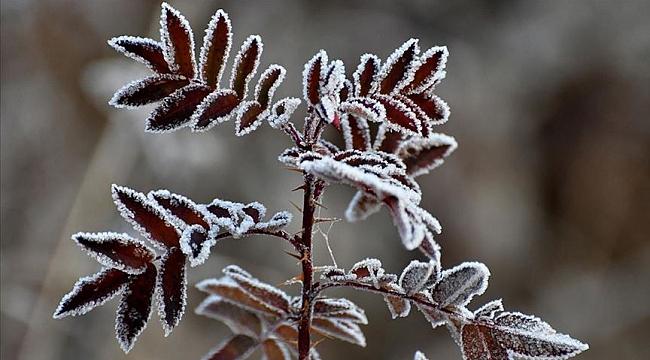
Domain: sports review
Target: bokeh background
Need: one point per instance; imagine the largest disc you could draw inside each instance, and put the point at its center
(550, 186)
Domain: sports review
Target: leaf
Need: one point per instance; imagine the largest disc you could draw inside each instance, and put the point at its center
(92, 291)
(134, 310)
(365, 108)
(277, 222)
(312, 77)
(387, 140)
(397, 71)
(434, 316)
(217, 107)
(255, 210)
(361, 207)
(365, 74)
(431, 249)
(249, 117)
(173, 289)
(458, 285)
(430, 70)
(339, 329)
(282, 111)
(530, 337)
(421, 155)
(416, 275)
(275, 350)
(176, 110)
(117, 251)
(144, 50)
(148, 90)
(367, 268)
(145, 216)
(181, 207)
(340, 308)
(246, 62)
(178, 41)
(239, 321)
(269, 81)
(436, 110)
(398, 306)
(216, 48)
(410, 227)
(479, 344)
(196, 243)
(267, 294)
(488, 310)
(235, 347)
(399, 117)
(230, 291)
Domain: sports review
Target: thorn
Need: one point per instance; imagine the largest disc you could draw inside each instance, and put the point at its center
(301, 187)
(293, 280)
(322, 220)
(320, 205)
(294, 169)
(295, 256)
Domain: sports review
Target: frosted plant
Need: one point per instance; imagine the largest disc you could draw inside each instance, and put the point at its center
(397, 100)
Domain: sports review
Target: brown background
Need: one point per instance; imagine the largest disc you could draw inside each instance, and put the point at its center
(550, 186)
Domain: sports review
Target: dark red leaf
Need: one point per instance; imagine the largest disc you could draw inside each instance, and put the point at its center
(275, 350)
(245, 66)
(366, 74)
(420, 155)
(173, 288)
(235, 347)
(395, 72)
(92, 291)
(118, 251)
(178, 41)
(145, 216)
(255, 210)
(435, 108)
(479, 344)
(356, 133)
(175, 110)
(399, 116)
(248, 118)
(215, 108)
(312, 77)
(146, 51)
(180, 206)
(388, 140)
(430, 70)
(268, 83)
(265, 293)
(148, 90)
(239, 320)
(134, 310)
(216, 46)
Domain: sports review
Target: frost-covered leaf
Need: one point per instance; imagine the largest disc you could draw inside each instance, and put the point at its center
(397, 71)
(275, 350)
(434, 316)
(367, 269)
(416, 275)
(117, 251)
(180, 206)
(282, 111)
(431, 249)
(339, 329)
(489, 310)
(339, 309)
(135, 307)
(236, 347)
(146, 217)
(387, 140)
(173, 289)
(246, 63)
(356, 132)
(409, 224)
(267, 294)
(255, 210)
(219, 106)
(147, 90)
(249, 118)
(398, 306)
(530, 337)
(458, 285)
(92, 291)
(269, 81)
(216, 48)
(361, 206)
(312, 77)
(144, 50)
(239, 320)
(365, 74)
(196, 243)
(435, 109)
(176, 110)
(430, 70)
(365, 108)
(178, 41)
(421, 155)
(478, 343)
(277, 222)
(419, 355)
(399, 116)
(230, 291)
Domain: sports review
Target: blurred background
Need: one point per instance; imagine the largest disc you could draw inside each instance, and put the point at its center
(550, 185)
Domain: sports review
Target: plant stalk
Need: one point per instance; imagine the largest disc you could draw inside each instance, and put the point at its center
(308, 218)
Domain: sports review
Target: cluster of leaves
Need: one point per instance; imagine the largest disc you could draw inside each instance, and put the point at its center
(442, 297)
(182, 231)
(385, 114)
(262, 316)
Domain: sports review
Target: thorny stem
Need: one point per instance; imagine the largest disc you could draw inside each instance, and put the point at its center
(308, 217)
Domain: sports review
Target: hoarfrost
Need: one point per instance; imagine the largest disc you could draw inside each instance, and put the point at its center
(143, 50)
(340, 329)
(171, 293)
(134, 310)
(488, 310)
(269, 81)
(148, 90)
(458, 285)
(366, 74)
(216, 108)
(117, 251)
(397, 71)
(92, 291)
(216, 48)
(246, 63)
(178, 41)
(282, 111)
(416, 275)
(312, 76)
